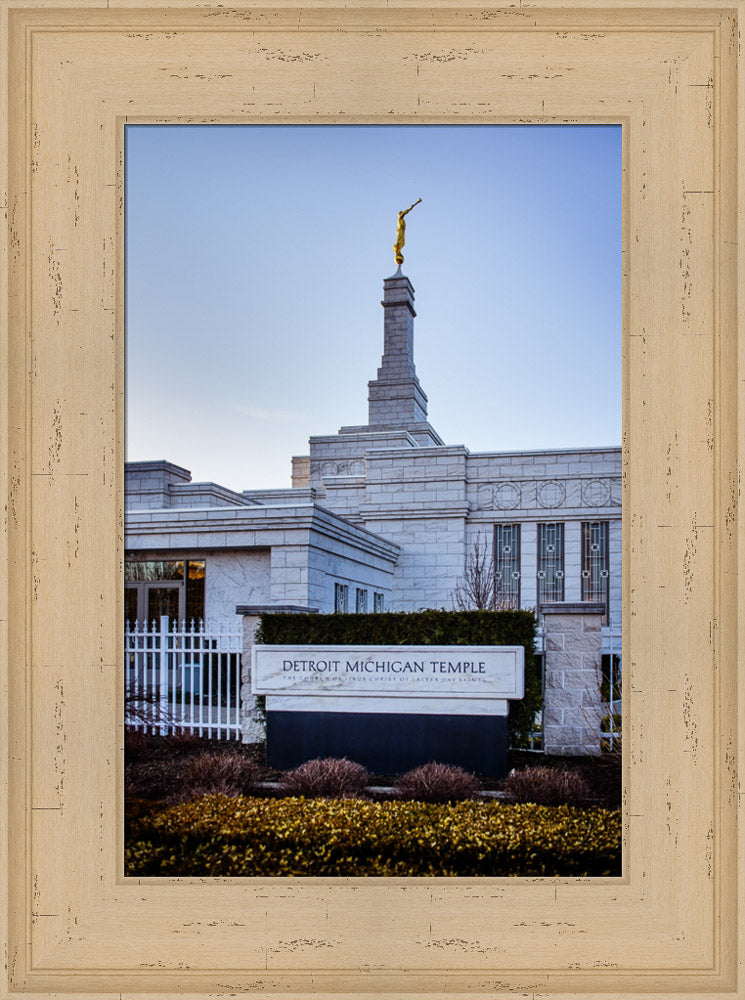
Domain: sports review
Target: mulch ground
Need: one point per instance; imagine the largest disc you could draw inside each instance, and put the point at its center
(154, 764)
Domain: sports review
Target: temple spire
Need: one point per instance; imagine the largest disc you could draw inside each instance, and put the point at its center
(396, 397)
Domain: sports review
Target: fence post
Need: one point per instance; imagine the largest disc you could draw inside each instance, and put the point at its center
(163, 673)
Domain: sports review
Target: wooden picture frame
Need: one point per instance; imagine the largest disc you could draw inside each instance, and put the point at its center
(76, 72)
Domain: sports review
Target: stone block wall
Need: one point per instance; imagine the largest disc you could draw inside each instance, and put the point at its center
(300, 471)
(573, 707)
(431, 560)
(253, 729)
(233, 577)
(147, 484)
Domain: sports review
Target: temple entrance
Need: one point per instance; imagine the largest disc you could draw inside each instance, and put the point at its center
(157, 588)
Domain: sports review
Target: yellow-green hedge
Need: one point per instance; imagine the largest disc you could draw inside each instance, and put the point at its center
(223, 836)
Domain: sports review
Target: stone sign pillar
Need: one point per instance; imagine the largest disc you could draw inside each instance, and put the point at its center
(573, 706)
(253, 728)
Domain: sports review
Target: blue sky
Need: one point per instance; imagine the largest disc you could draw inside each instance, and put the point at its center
(255, 257)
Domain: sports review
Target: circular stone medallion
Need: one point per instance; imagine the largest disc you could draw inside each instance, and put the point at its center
(507, 496)
(595, 493)
(551, 494)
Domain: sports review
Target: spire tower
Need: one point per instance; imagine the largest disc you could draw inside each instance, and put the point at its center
(396, 397)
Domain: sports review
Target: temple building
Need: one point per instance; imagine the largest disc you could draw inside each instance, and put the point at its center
(385, 517)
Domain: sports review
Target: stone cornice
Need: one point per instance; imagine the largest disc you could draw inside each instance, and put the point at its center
(572, 608)
(392, 512)
(309, 519)
(276, 609)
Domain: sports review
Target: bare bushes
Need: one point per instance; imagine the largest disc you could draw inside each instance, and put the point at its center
(547, 786)
(215, 773)
(327, 777)
(437, 783)
(341, 778)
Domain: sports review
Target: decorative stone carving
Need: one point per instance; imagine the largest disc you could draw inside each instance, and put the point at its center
(551, 494)
(596, 493)
(507, 496)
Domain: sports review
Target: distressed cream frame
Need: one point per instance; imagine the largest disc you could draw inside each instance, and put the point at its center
(670, 927)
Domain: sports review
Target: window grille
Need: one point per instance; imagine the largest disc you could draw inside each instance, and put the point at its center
(378, 602)
(595, 573)
(360, 605)
(550, 562)
(341, 596)
(507, 564)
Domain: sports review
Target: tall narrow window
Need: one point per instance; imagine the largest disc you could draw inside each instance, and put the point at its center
(595, 573)
(507, 564)
(378, 602)
(550, 562)
(341, 596)
(360, 604)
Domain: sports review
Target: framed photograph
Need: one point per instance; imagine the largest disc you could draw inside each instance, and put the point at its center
(256, 258)
(76, 75)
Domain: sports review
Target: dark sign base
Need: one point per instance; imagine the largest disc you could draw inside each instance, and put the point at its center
(389, 744)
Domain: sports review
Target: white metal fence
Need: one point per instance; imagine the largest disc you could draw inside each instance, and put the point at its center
(182, 677)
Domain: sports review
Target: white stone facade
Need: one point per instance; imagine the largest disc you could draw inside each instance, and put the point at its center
(435, 501)
(387, 509)
(263, 554)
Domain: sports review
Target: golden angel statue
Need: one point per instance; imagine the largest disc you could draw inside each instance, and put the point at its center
(401, 234)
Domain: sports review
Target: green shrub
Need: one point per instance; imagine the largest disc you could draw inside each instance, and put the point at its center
(422, 628)
(548, 786)
(327, 776)
(218, 836)
(437, 783)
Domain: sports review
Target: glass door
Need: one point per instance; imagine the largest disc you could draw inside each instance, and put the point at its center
(146, 601)
(163, 599)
